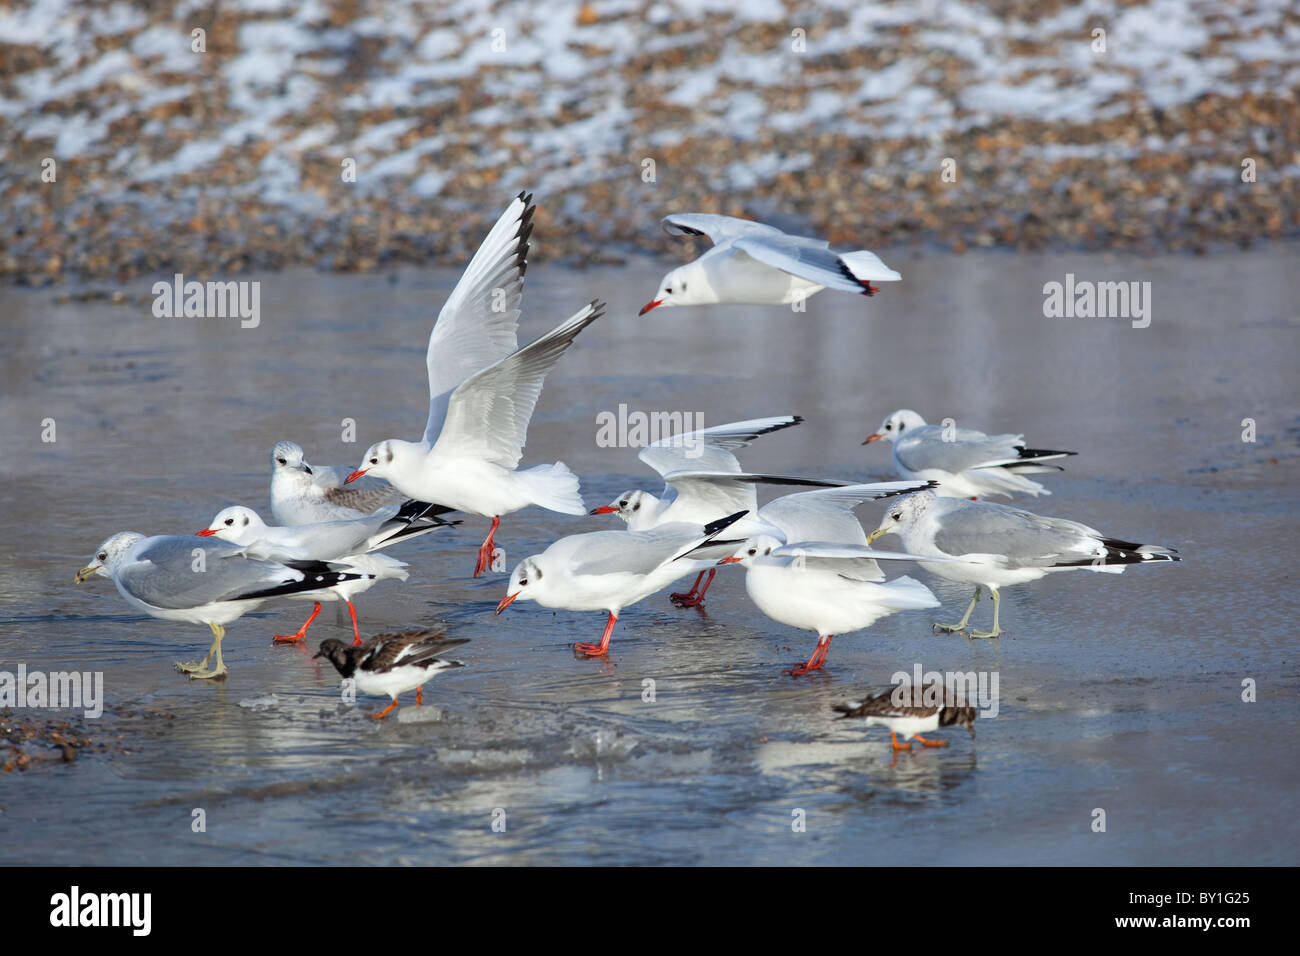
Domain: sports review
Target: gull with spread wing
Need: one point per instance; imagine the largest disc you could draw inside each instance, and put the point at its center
(752, 263)
(482, 392)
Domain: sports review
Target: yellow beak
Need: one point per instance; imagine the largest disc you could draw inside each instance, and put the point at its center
(85, 573)
(878, 533)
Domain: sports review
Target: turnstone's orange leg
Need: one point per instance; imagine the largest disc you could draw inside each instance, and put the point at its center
(816, 661)
(485, 549)
(356, 632)
(905, 745)
(596, 650)
(419, 697)
(930, 743)
(302, 631)
(386, 711)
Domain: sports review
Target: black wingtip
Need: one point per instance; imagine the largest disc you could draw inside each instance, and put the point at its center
(714, 527)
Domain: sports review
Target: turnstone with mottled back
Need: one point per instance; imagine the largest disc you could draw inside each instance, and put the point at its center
(909, 720)
(392, 664)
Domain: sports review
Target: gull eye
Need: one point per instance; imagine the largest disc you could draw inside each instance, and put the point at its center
(623, 503)
(229, 522)
(523, 582)
(753, 550)
(889, 427)
(897, 516)
(102, 556)
(374, 461)
(668, 290)
(282, 461)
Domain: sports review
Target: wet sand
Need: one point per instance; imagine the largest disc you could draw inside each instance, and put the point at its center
(1117, 692)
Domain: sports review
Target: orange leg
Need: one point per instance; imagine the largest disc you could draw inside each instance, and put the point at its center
(486, 548)
(905, 745)
(356, 633)
(386, 711)
(302, 631)
(930, 743)
(816, 661)
(695, 596)
(596, 650)
(419, 697)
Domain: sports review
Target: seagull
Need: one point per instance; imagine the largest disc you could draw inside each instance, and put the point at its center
(910, 720)
(703, 481)
(392, 664)
(965, 463)
(824, 587)
(303, 494)
(175, 578)
(483, 389)
(347, 542)
(608, 570)
(754, 264)
(1000, 546)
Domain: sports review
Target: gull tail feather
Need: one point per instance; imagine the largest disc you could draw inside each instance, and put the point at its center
(553, 487)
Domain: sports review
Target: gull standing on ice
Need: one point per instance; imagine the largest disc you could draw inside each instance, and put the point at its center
(828, 588)
(346, 542)
(392, 664)
(482, 392)
(608, 570)
(999, 546)
(754, 264)
(306, 494)
(965, 463)
(176, 578)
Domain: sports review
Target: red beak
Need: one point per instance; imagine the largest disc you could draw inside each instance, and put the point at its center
(507, 601)
(354, 476)
(730, 560)
(870, 438)
(650, 305)
(603, 510)
(206, 532)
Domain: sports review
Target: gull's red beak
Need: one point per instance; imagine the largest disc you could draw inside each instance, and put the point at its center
(650, 305)
(206, 532)
(507, 601)
(870, 438)
(603, 510)
(731, 559)
(354, 476)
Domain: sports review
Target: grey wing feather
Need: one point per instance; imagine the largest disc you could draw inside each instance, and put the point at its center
(926, 449)
(489, 413)
(811, 262)
(709, 449)
(1025, 539)
(827, 513)
(479, 323)
(717, 228)
(163, 573)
